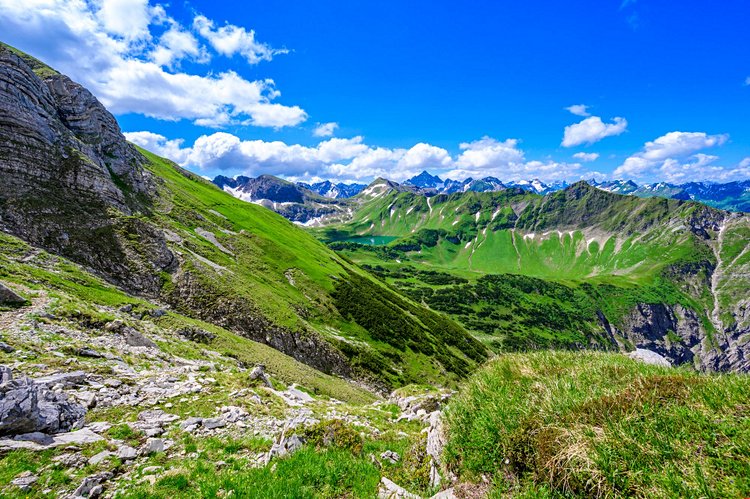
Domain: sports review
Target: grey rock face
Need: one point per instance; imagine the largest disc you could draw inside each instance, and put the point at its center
(27, 407)
(677, 334)
(65, 166)
(9, 297)
(670, 331)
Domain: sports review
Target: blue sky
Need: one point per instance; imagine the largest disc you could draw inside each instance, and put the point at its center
(471, 89)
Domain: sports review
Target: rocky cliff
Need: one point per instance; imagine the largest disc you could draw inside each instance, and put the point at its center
(70, 178)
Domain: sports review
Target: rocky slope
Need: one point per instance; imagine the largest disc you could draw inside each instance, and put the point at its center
(114, 396)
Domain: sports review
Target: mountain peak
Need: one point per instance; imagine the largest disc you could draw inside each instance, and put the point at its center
(425, 180)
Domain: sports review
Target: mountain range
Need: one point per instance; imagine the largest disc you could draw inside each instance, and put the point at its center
(732, 196)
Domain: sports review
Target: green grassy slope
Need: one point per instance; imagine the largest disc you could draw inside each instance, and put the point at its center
(601, 425)
(250, 270)
(583, 253)
(575, 233)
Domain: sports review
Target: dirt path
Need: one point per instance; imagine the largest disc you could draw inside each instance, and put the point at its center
(12, 319)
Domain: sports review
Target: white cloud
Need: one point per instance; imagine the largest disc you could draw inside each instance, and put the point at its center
(176, 44)
(578, 109)
(126, 18)
(586, 156)
(325, 129)
(159, 144)
(352, 159)
(109, 48)
(680, 144)
(488, 153)
(592, 130)
(747, 80)
(425, 156)
(230, 39)
(674, 157)
(504, 160)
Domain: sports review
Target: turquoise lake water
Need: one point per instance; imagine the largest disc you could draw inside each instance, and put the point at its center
(371, 240)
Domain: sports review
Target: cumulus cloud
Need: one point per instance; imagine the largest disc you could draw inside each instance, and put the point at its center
(230, 40)
(586, 156)
(114, 48)
(177, 44)
(674, 157)
(592, 130)
(578, 110)
(325, 129)
(159, 144)
(351, 159)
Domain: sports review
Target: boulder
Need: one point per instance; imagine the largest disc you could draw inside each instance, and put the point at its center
(36, 437)
(66, 379)
(92, 485)
(649, 357)
(126, 453)
(259, 373)
(132, 337)
(25, 480)
(390, 456)
(136, 339)
(27, 407)
(196, 334)
(98, 458)
(213, 423)
(389, 490)
(80, 437)
(9, 297)
(152, 446)
(89, 352)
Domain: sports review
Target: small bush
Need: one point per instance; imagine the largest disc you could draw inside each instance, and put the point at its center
(334, 433)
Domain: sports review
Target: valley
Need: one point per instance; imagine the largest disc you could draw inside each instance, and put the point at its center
(576, 268)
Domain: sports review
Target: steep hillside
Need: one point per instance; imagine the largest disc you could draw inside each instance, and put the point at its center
(606, 270)
(73, 186)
